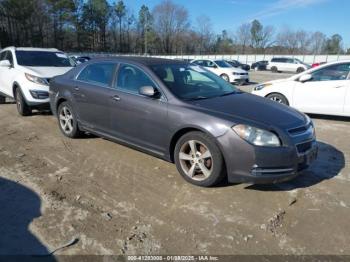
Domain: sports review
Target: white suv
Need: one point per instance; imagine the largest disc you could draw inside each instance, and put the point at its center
(25, 74)
(225, 70)
(285, 64)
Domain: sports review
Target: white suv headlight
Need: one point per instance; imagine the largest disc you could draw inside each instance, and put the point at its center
(256, 136)
(259, 87)
(36, 79)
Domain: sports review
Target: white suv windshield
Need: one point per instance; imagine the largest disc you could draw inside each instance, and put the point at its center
(42, 58)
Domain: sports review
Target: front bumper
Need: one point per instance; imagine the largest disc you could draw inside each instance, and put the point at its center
(247, 163)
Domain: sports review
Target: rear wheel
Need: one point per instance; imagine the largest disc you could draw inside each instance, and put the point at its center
(279, 98)
(274, 69)
(199, 160)
(22, 106)
(225, 77)
(300, 69)
(67, 121)
(2, 99)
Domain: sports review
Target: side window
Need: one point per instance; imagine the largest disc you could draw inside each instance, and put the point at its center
(9, 57)
(2, 55)
(100, 73)
(333, 72)
(210, 63)
(131, 79)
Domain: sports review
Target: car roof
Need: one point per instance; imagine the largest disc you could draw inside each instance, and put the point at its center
(147, 61)
(13, 48)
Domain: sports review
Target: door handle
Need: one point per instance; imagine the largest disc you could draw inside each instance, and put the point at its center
(116, 98)
(338, 86)
(76, 88)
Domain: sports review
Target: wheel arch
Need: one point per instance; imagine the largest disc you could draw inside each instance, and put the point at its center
(181, 132)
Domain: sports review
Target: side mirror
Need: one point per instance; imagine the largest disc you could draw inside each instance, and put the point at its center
(149, 91)
(215, 66)
(305, 78)
(5, 63)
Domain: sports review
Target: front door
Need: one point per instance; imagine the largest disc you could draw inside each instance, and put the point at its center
(325, 92)
(135, 118)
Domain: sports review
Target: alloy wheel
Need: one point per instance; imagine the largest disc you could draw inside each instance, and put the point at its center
(196, 160)
(66, 120)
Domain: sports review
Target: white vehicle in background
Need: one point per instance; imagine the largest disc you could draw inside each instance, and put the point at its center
(321, 90)
(25, 74)
(224, 70)
(285, 64)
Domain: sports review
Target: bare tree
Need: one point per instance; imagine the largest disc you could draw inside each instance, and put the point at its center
(204, 32)
(317, 42)
(170, 22)
(243, 36)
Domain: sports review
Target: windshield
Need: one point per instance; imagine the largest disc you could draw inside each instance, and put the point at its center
(191, 82)
(222, 63)
(42, 58)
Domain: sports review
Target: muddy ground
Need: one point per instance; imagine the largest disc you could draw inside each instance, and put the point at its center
(115, 200)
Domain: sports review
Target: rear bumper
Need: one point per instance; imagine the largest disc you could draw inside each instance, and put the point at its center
(247, 163)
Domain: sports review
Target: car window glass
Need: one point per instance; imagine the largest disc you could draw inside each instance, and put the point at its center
(131, 79)
(192, 82)
(210, 63)
(2, 55)
(333, 72)
(100, 73)
(9, 57)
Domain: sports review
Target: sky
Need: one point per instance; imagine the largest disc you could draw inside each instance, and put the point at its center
(327, 16)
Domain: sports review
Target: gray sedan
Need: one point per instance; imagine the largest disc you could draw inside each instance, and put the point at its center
(184, 114)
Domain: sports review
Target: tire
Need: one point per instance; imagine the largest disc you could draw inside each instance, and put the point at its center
(274, 69)
(2, 100)
(207, 168)
(225, 77)
(279, 98)
(67, 121)
(300, 69)
(22, 106)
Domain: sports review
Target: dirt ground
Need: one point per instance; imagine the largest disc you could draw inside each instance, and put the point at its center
(109, 199)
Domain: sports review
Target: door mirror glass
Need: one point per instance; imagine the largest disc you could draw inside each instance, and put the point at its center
(305, 78)
(149, 91)
(5, 63)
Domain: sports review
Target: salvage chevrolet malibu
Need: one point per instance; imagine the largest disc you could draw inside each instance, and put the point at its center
(184, 114)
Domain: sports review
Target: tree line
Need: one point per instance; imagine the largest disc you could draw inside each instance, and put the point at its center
(98, 26)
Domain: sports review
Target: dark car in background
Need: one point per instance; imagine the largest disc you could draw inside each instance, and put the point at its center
(185, 114)
(260, 65)
(238, 64)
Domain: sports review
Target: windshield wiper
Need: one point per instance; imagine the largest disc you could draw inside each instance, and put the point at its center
(230, 93)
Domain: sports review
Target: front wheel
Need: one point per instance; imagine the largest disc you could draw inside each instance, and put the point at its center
(279, 98)
(225, 77)
(22, 106)
(67, 121)
(199, 160)
(300, 69)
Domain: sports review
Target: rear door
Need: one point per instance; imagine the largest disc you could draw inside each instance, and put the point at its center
(135, 118)
(325, 92)
(92, 93)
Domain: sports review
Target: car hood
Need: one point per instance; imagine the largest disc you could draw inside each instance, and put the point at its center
(48, 72)
(247, 107)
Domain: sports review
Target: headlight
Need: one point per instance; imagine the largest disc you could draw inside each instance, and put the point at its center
(256, 136)
(36, 79)
(259, 87)
(236, 74)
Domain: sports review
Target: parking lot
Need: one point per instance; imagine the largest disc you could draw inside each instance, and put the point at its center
(114, 200)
